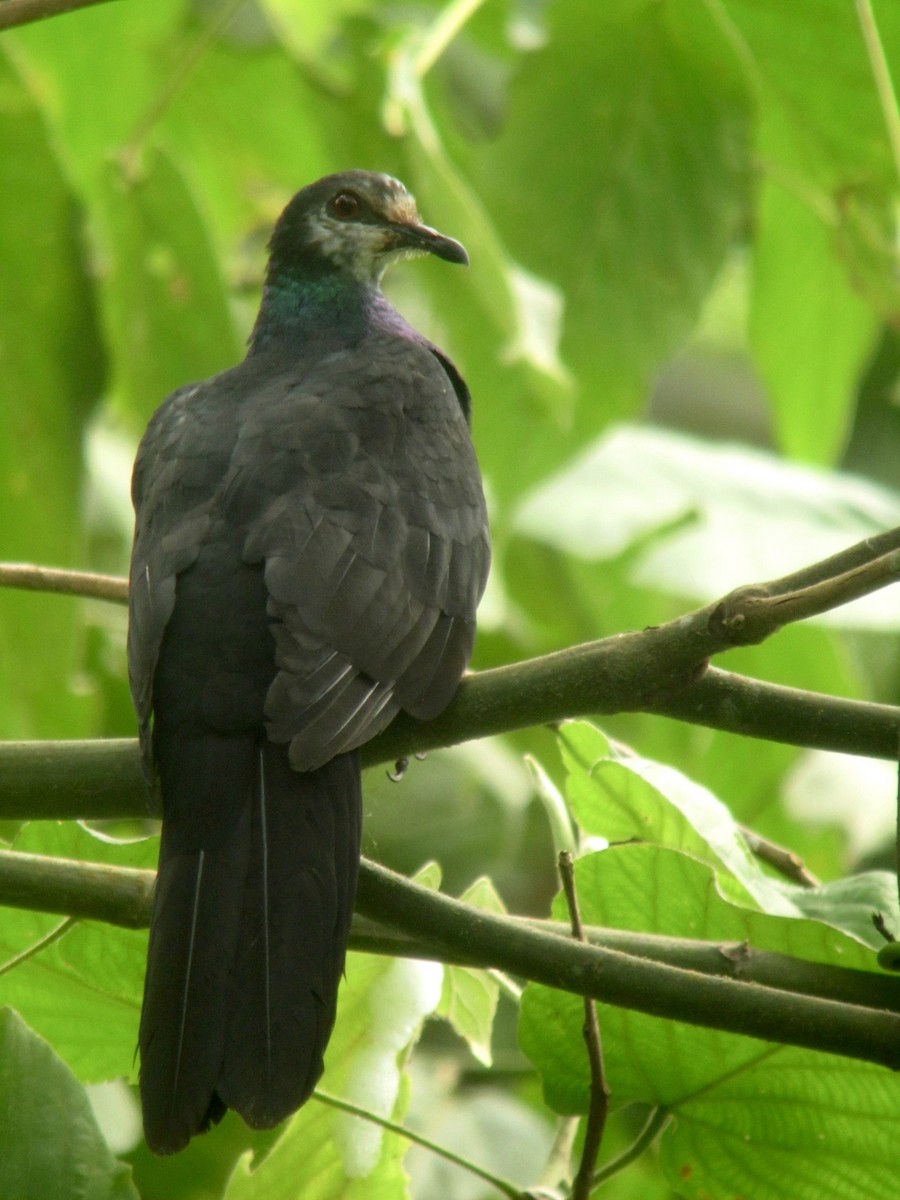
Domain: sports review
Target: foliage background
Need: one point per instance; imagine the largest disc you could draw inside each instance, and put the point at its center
(679, 329)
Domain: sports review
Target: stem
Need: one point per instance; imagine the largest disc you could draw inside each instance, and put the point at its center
(785, 861)
(556, 1175)
(881, 72)
(658, 1120)
(598, 1107)
(502, 1185)
(442, 31)
(48, 939)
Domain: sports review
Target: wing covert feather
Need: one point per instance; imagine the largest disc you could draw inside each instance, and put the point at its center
(373, 562)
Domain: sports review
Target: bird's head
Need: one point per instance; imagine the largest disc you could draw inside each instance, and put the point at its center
(355, 223)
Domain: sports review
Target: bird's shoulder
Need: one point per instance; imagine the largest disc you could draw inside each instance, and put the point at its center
(381, 419)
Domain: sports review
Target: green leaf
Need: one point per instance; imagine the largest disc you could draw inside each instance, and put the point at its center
(698, 1072)
(788, 1131)
(808, 61)
(76, 66)
(243, 172)
(851, 903)
(50, 1144)
(469, 997)
(52, 365)
(558, 818)
(620, 797)
(325, 1154)
(82, 992)
(166, 307)
(810, 354)
(629, 152)
(707, 517)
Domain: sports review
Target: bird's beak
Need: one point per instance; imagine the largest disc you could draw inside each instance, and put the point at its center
(423, 237)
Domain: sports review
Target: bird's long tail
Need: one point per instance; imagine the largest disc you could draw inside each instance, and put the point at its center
(257, 878)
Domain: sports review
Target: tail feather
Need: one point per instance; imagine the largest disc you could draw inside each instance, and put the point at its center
(248, 934)
(297, 910)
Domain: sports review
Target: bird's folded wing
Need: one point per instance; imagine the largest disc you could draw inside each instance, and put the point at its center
(174, 494)
(374, 565)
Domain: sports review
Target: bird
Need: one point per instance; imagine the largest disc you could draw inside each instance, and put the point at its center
(311, 545)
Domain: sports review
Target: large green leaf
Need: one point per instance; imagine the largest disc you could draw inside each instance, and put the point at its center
(81, 992)
(810, 354)
(686, 887)
(828, 214)
(469, 996)
(703, 1074)
(809, 63)
(49, 1141)
(167, 311)
(618, 796)
(708, 517)
(619, 177)
(243, 169)
(99, 75)
(52, 370)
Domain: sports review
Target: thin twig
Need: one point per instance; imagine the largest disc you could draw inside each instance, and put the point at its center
(502, 1185)
(838, 564)
(32, 578)
(48, 939)
(785, 861)
(24, 12)
(598, 1107)
(775, 713)
(753, 613)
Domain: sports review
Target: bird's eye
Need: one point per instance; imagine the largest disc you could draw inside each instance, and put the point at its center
(346, 206)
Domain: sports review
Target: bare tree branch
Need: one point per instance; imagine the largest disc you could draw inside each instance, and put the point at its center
(719, 985)
(102, 778)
